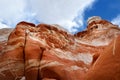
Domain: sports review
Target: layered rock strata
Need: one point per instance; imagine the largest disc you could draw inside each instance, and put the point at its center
(4, 33)
(46, 52)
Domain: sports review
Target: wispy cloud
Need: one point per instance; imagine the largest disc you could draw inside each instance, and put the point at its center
(14, 11)
(3, 26)
(116, 20)
(69, 14)
(61, 12)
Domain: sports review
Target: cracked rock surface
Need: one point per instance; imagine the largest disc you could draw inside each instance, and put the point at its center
(47, 52)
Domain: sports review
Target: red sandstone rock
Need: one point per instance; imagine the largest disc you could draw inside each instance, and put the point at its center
(107, 66)
(4, 33)
(47, 52)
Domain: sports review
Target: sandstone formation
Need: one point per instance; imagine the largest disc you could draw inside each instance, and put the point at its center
(47, 52)
(4, 33)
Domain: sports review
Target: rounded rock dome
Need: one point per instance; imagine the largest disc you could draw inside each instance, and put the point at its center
(93, 18)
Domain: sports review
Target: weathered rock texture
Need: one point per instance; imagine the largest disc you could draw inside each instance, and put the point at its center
(4, 33)
(47, 52)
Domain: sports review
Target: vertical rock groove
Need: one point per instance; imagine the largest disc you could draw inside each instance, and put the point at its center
(47, 52)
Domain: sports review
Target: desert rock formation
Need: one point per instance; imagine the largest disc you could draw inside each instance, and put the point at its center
(4, 33)
(47, 52)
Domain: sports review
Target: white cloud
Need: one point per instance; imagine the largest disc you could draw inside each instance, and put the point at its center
(62, 12)
(116, 20)
(3, 26)
(14, 11)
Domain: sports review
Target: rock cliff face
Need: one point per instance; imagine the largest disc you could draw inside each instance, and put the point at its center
(4, 33)
(47, 52)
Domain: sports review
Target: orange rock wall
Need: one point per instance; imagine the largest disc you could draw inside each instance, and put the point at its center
(45, 52)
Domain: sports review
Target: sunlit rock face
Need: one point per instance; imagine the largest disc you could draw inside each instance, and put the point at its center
(99, 32)
(4, 33)
(107, 66)
(47, 52)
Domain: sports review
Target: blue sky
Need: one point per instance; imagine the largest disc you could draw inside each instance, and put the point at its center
(107, 9)
(70, 14)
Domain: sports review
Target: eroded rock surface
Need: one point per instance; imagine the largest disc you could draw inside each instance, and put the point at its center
(4, 33)
(47, 52)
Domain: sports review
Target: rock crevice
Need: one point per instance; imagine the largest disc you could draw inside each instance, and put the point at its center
(47, 52)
